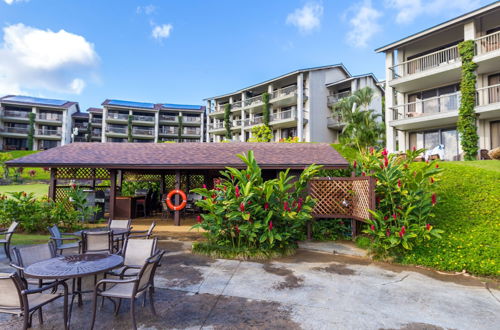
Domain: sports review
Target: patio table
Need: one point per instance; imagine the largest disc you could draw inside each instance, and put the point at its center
(73, 267)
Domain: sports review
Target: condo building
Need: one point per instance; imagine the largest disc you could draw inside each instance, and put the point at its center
(423, 74)
(300, 105)
(49, 120)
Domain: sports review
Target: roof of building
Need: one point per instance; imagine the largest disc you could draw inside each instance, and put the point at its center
(37, 101)
(98, 110)
(183, 156)
(447, 24)
(130, 104)
(324, 67)
(80, 115)
(377, 83)
(181, 107)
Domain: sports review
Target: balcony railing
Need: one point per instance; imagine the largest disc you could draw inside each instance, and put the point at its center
(217, 125)
(16, 114)
(96, 120)
(150, 119)
(81, 125)
(257, 120)
(284, 92)
(142, 131)
(49, 132)
(169, 130)
(426, 62)
(430, 106)
(188, 119)
(96, 133)
(488, 43)
(253, 101)
(17, 130)
(236, 105)
(168, 118)
(336, 97)
(118, 116)
(192, 130)
(117, 130)
(237, 122)
(49, 116)
(488, 95)
(220, 107)
(283, 115)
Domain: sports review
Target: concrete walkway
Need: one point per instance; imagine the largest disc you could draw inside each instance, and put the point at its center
(311, 290)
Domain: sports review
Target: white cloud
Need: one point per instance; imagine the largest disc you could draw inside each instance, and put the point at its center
(31, 58)
(10, 2)
(307, 18)
(161, 31)
(409, 10)
(148, 10)
(364, 24)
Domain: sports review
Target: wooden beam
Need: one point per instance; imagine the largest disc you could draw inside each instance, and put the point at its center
(112, 194)
(53, 184)
(177, 215)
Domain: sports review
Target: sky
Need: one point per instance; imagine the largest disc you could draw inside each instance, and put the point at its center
(184, 51)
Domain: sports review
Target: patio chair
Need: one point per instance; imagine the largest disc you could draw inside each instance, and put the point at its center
(97, 242)
(8, 236)
(164, 209)
(59, 240)
(17, 299)
(131, 288)
(27, 255)
(119, 224)
(143, 233)
(135, 253)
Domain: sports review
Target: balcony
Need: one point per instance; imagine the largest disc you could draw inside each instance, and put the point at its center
(236, 105)
(191, 120)
(253, 101)
(96, 134)
(335, 122)
(96, 121)
(117, 116)
(49, 117)
(143, 131)
(257, 120)
(488, 102)
(217, 125)
(81, 125)
(191, 131)
(488, 43)
(336, 97)
(488, 53)
(144, 119)
(169, 131)
(49, 132)
(169, 118)
(117, 130)
(16, 114)
(15, 130)
(284, 96)
(236, 123)
(283, 115)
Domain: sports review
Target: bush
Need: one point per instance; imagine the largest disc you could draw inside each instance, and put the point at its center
(249, 215)
(331, 229)
(405, 201)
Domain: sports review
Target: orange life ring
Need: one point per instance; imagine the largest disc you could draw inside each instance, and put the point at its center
(181, 205)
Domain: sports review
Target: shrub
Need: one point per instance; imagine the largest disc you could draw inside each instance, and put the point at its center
(261, 133)
(405, 200)
(250, 215)
(331, 229)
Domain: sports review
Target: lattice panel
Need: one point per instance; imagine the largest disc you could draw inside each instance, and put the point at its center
(62, 195)
(83, 173)
(127, 176)
(361, 199)
(332, 197)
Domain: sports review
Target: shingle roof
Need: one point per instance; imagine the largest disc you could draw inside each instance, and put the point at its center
(30, 100)
(80, 115)
(183, 156)
(98, 110)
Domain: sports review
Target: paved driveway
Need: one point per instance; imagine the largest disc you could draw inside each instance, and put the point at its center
(311, 290)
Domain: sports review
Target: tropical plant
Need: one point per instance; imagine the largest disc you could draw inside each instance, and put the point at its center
(5, 156)
(247, 214)
(261, 133)
(78, 199)
(227, 121)
(179, 132)
(291, 139)
(266, 109)
(405, 200)
(129, 187)
(362, 126)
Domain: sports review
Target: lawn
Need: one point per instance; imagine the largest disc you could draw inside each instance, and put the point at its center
(26, 239)
(40, 173)
(39, 189)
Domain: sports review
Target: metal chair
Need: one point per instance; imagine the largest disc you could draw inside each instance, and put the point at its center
(59, 238)
(143, 233)
(119, 224)
(17, 299)
(8, 236)
(30, 254)
(135, 253)
(131, 288)
(97, 242)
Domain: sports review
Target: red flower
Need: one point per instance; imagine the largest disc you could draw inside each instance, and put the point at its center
(372, 150)
(384, 152)
(401, 234)
(381, 166)
(354, 164)
(433, 199)
(386, 218)
(428, 226)
(363, 173)
(395, 216)
(232, 177)
(432, 180)
(237, 191)
(20, 169)
(399, 183)
(73, 186)
(242, 207)
(414, 148)
(198, 218)
(286, 207)
(248, 176)
(437, 165)
(270, 225)
(237, 229)
(214, 196)
(403, 229)
(388, 233)
(46, 169)
(205, 186)
(266, 206)
(372, 227)
(32, 173)
(386, 161)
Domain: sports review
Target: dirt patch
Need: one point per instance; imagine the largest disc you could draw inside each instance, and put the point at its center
(418, 326)
(291, 281)
(339, 269)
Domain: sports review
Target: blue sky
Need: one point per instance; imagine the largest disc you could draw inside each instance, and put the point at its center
(185, 51)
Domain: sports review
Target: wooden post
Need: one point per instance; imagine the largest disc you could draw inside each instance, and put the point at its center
(93, 179)
(177, 215)
(112, 194)
(162, 185)
(53, 184)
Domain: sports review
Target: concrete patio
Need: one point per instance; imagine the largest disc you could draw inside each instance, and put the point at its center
(315, 289)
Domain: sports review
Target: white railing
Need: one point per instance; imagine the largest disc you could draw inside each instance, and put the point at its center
(189, 119)
(17, 130)
(426, 62)
(257, 120)
(336, 97)
(217, 125)
(488, 43)
(168, 118)
(119, 116)
(169, 130)
(117, 130)
(16, 114)
(49, 132)
(170, 140)
(81, 125)
(247, 122)
(220, 107)
(96, 133)
(96, 120)
(143, 118)
(425, 107)
(283, 115)
(237, 122)
(192, 130)
(142, 131)
(253, 101)
(49, 116)
(488, 95)
(284, 92)
(236, 105)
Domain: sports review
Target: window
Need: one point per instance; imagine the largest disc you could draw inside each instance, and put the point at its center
(47, 144)
(430, 139)
(495, 134)
(494, 92)
(435, 100)
(16, 144)
(288, 132)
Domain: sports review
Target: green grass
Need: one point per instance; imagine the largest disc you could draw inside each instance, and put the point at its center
(40, 173)
(26, 239)
(39, 189)
(242, 253)
(468, 211)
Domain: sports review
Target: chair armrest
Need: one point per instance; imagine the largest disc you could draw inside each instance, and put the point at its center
(71, 234)
(17, 267)
(44, 288)
(65, 238)
(137, 236)
(108, 280)
(138, 231)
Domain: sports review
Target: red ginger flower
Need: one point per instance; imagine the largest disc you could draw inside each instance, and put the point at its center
(354, 164)
(205, 186)
(32, 173)
(386, 161)
(242, 207)
(428, 226)
(395, 216)
(266, 206)
(363, 174)
(237, 229)
(414, 148)
(437, 165)
(198, 218)
(237, 191)
(388, 233)
(286, 207)
(270, 225)
(384, 152)
(372, 150)
(433, 199)
(372, 227)
(399, 183)
(386, 218)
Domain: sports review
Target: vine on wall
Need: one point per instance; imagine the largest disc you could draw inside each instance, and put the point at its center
(129, 129)
(466, 116)
(265, 108)
(179, 133)
(31, 131)
(227, 121)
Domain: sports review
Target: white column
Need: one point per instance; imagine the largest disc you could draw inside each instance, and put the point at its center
(470, 30)
(157, 125)
(300, 106)
(104, 123)
(243, 116)
(202, 125)
(64, 128)
(35, 128)
(389, 102)
(208, 110)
